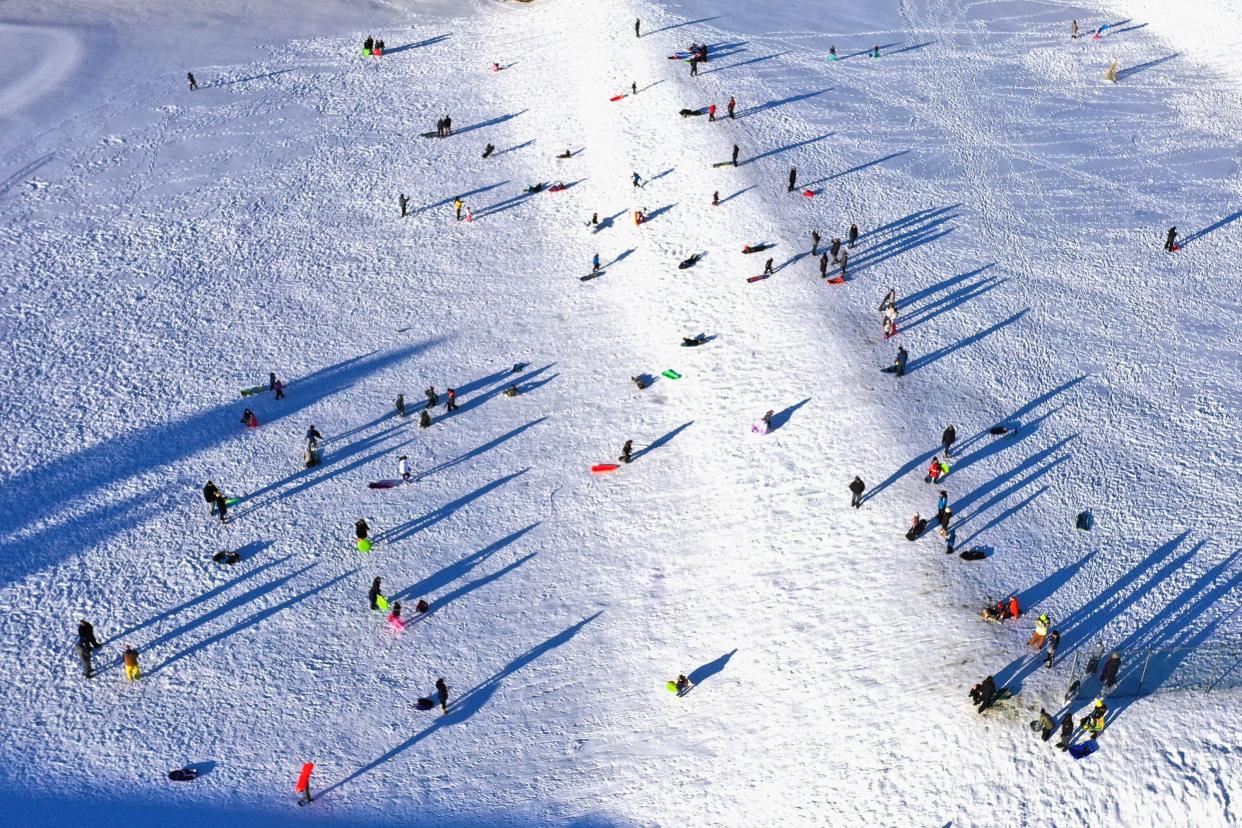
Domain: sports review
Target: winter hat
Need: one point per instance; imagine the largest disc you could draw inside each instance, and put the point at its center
(1099, 702)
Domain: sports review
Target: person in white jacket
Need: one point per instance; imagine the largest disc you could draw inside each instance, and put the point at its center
(403, 466)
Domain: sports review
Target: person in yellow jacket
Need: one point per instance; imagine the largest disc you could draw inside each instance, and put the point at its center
(1041, 632)
(131, 664)
(457, 205)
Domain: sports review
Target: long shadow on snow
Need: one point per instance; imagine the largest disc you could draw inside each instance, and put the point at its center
(446, 575)
(786, 148)
(744, 63)
(1229, 219)
(655, 214)
(711, 668)
(661, 441)
(764, 107)
(855, 169)
(1142, 67)
(469, 702)
(524, 383)
(1000, 518)
(255, 618)
(1004, 478)
(463, 196)
(925, 214)
(738, 193)
(221, 83)
(483, 449)
(418, 45)
(61, 486)
(903, 302)
(206, 596)
(499, 119)
(1012, 488)
(914, 47)
(1006, 441)
(514, 148)
(941, 353)
(672, 26)
(418, 524)
(437, 604)
(867, 51)
(781, 417)
(950, 302)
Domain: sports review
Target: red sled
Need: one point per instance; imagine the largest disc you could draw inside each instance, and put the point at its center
(304, 777)
(1176, 247)
(840, 280)
(809, 193)
(556, 188)
(616, 97)
(600, 468)
(377, 52)
(758, 278)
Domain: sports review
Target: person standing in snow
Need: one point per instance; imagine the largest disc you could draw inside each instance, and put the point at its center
(793, 178)
(488, 150)
(1014, 610)
(402, 202)
(627, 451)
(401, 405)
(1170, 239)
(1109, 674)
(189, 76)
(86, 635)
(210, 493)
(595, 263)
(1067, 731)
(1041, 632)
(433, 399)
(814, 242)
(451, 404)
(716, 198)
(394, 617)
(448, 126)
(984, 693)
(313, 436)
(711, 113)
(729, 106)
(1054, 641)
(875, 51)
(638, 24)
(835, 250)
(424, 419)
(403, 468)
(1073, 30)
(84, 653)
(845, 257)
(368, 44)
(373, 593)
(899, 365)
(1046, 725)
(457, 205)
(694, 66)
(853, 235)
(361, 529)
(442, 694)
(890, 298)
(636, 179)
(249, 420)
(594, 222)
(890, 321)
(823, 266)
(943, 517)
(943, 502)
(767, 268)
(857, 487)
(735, 152)
(130, 658)
(222, 508)
(832, 52)
(948, 438)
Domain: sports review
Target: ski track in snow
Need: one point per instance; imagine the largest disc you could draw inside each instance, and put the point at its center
(167, 248)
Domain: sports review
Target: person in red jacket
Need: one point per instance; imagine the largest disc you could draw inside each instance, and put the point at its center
(732, 103)
(933, 471)
(711, 112)
(1015, 611)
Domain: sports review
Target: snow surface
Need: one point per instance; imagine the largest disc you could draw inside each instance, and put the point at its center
(162, 249)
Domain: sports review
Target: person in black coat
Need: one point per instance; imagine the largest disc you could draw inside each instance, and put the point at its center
(1170, 239)
(1054, 641)
(84, 653)
(857, 487)
(814, 242)
(899, 365)
(210, 493)
(1109, 674)
(627, 452)
(373, 593)
(948, 439)
(1067, 731)
(735, 152)
(361, 529)
(823, 266)
(793, 178)
(433, 399)
(442, 694)
(86, 635)
(853, 235)
(987, 693)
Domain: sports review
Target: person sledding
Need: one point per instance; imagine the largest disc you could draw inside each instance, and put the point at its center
(936, 471)
(249, 420)
(917, 525)
(566, 154)
(682, 685)
(689, 262)
(537, 187)
(693, 341)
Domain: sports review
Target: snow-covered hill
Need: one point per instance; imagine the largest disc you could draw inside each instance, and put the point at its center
(164, 248)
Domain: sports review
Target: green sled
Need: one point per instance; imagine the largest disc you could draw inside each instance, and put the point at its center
(671, 374)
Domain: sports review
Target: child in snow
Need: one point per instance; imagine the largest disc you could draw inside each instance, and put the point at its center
(683, 685)
(403, 468)
(917, 525)
(373, 593)
(1054, 641)
(729, 106)
(594, 222)
(249, 420)
(394, 617)
(189, 76)
(130, 658)
(1170, 240)
(401, 405)
(442, 694)
(312, 435)
(457, 205)
(933, 471)
(451, 404)
(767, 267)
(945, 515)
(1041, 632)
(626, 451)
(635, 179)
(222, 507)
(361, 529)
(890, 321)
